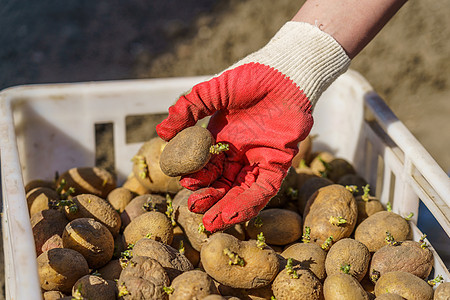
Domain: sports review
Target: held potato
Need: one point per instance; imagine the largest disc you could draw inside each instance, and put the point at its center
(239, 264)
(309, 256)
(343, 287)
(405, 284)
(348, 252)
(301, 284)
(60, 268)
(409, 256)
(94, 287)
(147, 171)
(153, 224)
(331, 211)
(372, 231)
(279, 226)
(143, 278)
(188, 152)
(92, 206)
(193, 284)
(87, 180)
(90, 238)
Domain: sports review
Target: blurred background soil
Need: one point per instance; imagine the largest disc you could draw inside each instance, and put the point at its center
(46, 41)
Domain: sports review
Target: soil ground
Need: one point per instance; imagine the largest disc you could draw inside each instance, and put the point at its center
(408, 63)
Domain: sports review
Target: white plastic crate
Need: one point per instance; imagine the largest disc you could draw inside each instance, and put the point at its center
(48, 128)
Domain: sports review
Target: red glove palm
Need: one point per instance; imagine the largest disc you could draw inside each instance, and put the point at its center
(262, 114)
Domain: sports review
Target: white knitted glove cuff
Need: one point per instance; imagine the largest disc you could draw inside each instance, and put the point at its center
(311, 58)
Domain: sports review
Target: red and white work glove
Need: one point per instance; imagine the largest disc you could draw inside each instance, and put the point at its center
(261, 107)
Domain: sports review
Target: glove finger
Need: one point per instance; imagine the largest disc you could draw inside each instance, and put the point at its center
(243, 201)
(206, 176)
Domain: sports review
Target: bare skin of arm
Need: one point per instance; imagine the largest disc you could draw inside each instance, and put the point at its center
(352, 23)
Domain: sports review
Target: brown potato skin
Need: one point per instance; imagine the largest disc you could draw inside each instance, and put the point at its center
(442, 291)
(316, 165)
(407, 257)
(308, 188)
(309, 256)
(405, 284)
(119, 198)
(389, 297)
(94, 287)
(155, 180)
(60, 268)
(190, 253)
(111, 271)
(40, 198)
(90, 238)
(88, 180)
(353, 179)
(171, 259)
(31, 185)
(144, 278)
(261, 265)
(279, 226)
(348, 251)
(46, 224)
(330, 201)
(187, 152)
(136, 207)
(339, 167)
(92, 206)
(154, 223)
(133, 185)
(304, 151)
(52, 295)
(261, 293)
(307, 286)
(194, 284)
(367, 208)
(372, 231)
(343, 287)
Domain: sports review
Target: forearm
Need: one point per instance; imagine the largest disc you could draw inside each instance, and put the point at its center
(352, 23)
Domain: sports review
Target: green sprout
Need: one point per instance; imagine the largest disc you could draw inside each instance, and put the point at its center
(96, 273)
(436, 280)
(366, 190)
(201, 228)
(345, 269)
(148, 236)
(77, 293)
(168, 290)
(73, 208)
(375, 275)
(302, 164)
(260, 241)
(292, 193)
(126, 256)
(327, 168)
(181, 248)
(258, 221)
(139, 160)
(219, 147)
(169, 211)
(352, 188)
(290, 269)
(423, 243)
(408, 217)
(234, 258)
(59, 190)
(123, 290)
(337, 221)
(327, 244)
(390, 239)
(389, 206)
(306, 237)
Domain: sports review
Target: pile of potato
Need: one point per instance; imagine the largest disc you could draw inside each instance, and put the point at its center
(323, 236)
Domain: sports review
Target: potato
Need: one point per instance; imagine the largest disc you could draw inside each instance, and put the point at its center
(217, 297)
(55, 241)
(171, 259)
(317, 165)
(405, 284)
(147, 171)
(188, 152)
(287, 192)
(279, 226)
(193, 284)
(304, 151)
(140, 205)
(91, 206)
(304, 173)
(90, 238)
(152, 223)
(343, 287)
(143, 278)
(372, 231)
(309, 187)
(309, 256)
(353, 179)
(188, 220)
(46, 224)
(367, 207)
(119, 198)
(111, 271)
(348, 252)
(31, 185)
(182, 244)
(390, 296)
(261, 293)
(133, 185)
(239, 264)
(305, 286)
(331, 211)
(94, 287)
(442, 291)
(87, 180)
(52, 295)
(409, 256)
(337, 168)
(40, 199)
(60, 268)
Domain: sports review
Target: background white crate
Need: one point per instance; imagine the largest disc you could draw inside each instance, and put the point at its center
(48, 128)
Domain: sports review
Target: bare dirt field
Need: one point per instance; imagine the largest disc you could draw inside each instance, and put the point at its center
(46, 41)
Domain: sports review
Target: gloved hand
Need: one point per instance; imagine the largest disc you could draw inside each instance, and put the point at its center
(261, 107)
